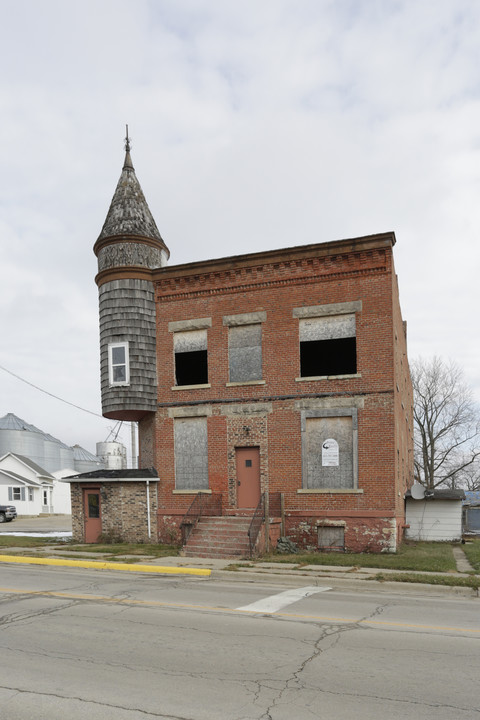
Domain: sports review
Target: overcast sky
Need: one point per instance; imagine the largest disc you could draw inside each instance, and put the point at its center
(255, 125)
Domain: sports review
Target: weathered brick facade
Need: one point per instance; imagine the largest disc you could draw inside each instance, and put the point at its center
(123, 512)
(354, 277)
(281, 372)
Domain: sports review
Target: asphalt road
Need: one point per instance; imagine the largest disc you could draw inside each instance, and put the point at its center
(107, 645)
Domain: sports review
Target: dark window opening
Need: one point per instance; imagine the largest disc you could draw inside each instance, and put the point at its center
(191, 368)
(328, 357)
(93, 505)
(248, 463)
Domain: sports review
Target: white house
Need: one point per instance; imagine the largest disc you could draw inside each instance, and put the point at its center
(61, 491)
(26, 485)
(437, 516)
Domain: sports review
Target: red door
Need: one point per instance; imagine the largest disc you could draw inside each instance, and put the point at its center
(92, 514)
(248, 476)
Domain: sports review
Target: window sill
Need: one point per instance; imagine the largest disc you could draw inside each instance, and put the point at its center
(191, 492)
(247, 382)
(328, 491)
(328, 377)
(191, 387)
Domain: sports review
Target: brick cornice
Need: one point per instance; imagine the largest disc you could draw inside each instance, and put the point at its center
(292, 254)
(173, 283)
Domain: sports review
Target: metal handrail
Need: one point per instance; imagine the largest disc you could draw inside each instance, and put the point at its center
(256, 523)
(274, 509)
(202, 504)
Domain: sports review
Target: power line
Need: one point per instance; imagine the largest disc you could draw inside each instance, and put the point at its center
(49, 393)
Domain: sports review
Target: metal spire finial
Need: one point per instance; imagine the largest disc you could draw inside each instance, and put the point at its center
(127, 141)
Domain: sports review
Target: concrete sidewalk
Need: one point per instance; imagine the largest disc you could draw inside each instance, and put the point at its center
(266, 573)
(346, 577)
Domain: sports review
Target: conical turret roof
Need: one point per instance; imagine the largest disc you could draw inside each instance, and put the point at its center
(129, 213)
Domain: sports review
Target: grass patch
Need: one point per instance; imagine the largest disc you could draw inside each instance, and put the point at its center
(472, 551)
(235, 567)
(449, 580)
(24, 541)
(155, 550)
(418, 556)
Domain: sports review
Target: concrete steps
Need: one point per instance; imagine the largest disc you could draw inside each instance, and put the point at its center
(219, 537)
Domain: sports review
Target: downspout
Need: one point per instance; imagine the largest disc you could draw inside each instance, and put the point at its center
(148, 509)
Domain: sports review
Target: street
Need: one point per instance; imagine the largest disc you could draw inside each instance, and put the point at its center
(109, 645)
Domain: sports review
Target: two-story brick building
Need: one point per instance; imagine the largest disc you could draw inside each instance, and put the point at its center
(283, 371)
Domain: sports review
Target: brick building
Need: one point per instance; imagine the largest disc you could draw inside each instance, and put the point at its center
(282, 372)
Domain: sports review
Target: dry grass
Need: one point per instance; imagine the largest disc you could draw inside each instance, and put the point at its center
(416, 556)
(472, 551)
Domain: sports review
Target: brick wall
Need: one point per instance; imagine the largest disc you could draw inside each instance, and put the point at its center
(267, 414)
(123, 511)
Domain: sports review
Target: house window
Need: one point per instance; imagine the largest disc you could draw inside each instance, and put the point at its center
(16, 493)
(191, 453)
(245, 353)
(329, 449)
(328, 346)
(191, 362)
(30, 494)
(118, 364)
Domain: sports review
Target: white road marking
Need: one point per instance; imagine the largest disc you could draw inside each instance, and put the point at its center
(273, 603)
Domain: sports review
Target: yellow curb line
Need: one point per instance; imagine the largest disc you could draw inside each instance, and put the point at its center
(91, 564)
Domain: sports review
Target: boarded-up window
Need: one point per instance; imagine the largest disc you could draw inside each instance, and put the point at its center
(328, 346)
(322, 468)
(191, 366)
(245, 353)
(331, 538)
(191, 453)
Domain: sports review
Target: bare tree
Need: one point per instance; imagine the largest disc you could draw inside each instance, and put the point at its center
(469, 477)
(447, 423)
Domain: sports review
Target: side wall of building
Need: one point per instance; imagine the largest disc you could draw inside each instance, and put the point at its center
(403, 392)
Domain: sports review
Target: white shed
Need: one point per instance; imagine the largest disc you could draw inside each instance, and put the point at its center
(435, 517)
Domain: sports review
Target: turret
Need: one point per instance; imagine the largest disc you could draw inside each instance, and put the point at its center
(128, 248)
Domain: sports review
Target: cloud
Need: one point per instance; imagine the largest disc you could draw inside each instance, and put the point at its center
(254, 126)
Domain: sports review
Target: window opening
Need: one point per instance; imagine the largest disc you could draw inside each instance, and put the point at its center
(191, 359)
(16, 493)
(331, 538)
(118, 364)
(191, 453)
(93, 505)
(328, 346)
(245, 353)
(329, 449)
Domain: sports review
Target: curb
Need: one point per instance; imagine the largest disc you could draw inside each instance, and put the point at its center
(267, 577)
(94, 565)
(337, 583)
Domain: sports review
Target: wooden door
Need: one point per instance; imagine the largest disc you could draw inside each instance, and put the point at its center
(92, 513)
(248, 476)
